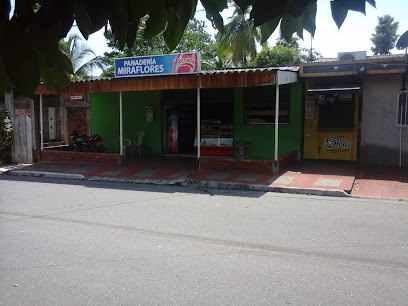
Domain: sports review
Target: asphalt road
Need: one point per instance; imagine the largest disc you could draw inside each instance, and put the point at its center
(98, 243)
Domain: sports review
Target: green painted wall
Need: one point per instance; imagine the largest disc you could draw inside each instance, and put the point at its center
(105, 118)
(262, 136)
(105, 122)
(134, 119)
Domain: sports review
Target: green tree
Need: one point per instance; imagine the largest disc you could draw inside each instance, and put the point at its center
(385, 35)
(239, 40)
(303, 54)
(276, 56)
(195, 39)
(142, 46)
(293, 42)
(83, 58)
(29, 39)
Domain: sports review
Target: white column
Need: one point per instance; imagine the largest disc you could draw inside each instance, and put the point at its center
(33, 125)
(198, 123)
(277, 123)
(120, 123)
(41, 124)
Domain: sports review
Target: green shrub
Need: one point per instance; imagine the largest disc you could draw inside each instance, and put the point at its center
(5, 136)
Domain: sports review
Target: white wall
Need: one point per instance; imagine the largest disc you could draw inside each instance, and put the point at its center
(380, 138)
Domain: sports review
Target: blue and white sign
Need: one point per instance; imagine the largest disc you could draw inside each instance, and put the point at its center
(184, 63)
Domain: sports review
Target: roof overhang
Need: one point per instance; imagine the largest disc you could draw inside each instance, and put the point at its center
(214, 79)
(381, 65)
(286, 77)
(331, 90)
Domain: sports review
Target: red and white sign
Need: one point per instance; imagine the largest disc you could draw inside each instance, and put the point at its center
(22, 112)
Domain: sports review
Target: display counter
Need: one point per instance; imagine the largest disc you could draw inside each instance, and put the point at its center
(216, 139)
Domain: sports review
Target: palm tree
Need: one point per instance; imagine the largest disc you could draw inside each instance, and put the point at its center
(83, 58)
(240, 37)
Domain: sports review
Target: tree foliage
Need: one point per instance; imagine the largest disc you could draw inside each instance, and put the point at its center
(385, 35)
(303, 54)
(239, 39)
(82, 57)
(5, 135)
(29, 39)
(276, 56)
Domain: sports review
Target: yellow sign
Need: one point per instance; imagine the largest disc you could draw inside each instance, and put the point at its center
(336, 145)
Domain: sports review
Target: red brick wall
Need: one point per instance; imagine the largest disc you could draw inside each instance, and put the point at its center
(84, 157)
(247, 165)
(77, 116)
(229, 163)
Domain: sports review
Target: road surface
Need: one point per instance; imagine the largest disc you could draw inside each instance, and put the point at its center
(96, 243)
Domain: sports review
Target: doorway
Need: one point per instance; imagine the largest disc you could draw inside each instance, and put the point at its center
(179, 121)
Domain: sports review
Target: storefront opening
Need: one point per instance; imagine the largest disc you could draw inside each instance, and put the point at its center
(180, 118)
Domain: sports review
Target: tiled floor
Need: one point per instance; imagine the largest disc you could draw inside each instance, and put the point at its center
(383, 182)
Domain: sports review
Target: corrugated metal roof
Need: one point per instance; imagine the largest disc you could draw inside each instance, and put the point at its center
(219, 78)
(215, 71)
(251, 69)
(370, 57)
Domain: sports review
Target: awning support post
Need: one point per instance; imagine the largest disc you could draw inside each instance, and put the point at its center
(276, 158)
(198, 122)
(41, 124)
(121, 124)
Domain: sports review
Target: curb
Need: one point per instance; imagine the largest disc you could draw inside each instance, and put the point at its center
(265, 188)
(134, 181)
(4, 169)
(69, 176)
(185, 182)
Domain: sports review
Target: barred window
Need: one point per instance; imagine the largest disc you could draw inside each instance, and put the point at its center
(260, 104)
(402, 109)
(336, 111)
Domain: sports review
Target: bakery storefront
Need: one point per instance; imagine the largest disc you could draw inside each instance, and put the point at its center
(225, 119)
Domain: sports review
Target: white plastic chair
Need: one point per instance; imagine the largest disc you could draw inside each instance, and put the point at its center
(127, 143)
(138, 144)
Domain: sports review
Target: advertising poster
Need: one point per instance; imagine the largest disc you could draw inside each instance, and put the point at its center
(172, 132)
(183, 63)
(336, 145)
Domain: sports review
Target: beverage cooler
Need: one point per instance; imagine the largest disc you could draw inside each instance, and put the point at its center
(331, 123)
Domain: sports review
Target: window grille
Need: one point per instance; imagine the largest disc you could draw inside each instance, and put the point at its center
(402, 109)
(260, 105)
(338, 113)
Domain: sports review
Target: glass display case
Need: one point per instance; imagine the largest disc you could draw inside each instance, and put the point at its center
(216, 138)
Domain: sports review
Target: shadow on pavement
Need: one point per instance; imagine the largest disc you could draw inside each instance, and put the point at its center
(175, 188)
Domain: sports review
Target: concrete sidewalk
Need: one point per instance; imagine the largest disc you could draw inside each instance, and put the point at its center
(310, 177)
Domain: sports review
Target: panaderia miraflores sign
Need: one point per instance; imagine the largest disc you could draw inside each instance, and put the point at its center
(182, 63)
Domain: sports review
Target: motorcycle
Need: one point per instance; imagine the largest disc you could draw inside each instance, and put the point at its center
(85, 143)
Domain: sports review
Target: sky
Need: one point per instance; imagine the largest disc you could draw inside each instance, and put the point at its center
(357, 29)
(354, 35)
